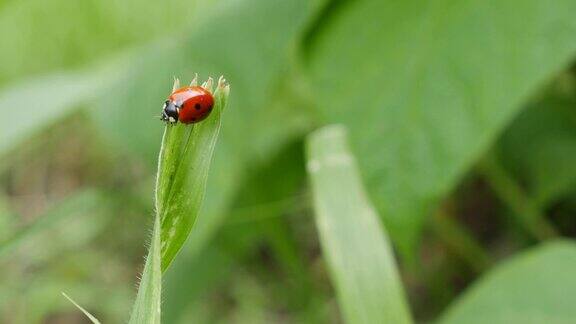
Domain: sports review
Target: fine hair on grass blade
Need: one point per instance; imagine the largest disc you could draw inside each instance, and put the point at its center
(356, 246)
(146, 308)
(184, 159)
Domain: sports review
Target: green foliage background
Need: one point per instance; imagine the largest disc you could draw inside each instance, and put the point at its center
(460, 114)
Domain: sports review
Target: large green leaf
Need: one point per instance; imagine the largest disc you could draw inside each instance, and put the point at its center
(426, 86)
(41, 36)
(538, 286)
(357, 249)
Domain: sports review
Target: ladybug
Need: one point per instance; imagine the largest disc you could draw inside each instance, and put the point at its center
(188, 105)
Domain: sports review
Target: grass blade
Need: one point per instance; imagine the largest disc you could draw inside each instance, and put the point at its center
(183, 163)
(357, 248)
(90, 316)
(183, 166)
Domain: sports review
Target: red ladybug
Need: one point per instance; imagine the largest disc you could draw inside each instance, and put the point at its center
(188, 105)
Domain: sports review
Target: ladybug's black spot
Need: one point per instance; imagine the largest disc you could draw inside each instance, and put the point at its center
(193, 118)
(197, 106)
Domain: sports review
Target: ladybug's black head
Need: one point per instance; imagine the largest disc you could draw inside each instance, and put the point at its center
(170, 112)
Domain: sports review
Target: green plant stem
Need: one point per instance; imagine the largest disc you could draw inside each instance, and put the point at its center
(460, 241)
(146, 308)
(528, 215)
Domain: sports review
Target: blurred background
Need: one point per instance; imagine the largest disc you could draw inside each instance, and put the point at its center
(462, 115)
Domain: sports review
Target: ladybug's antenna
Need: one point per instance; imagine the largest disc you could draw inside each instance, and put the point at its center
(176, 84)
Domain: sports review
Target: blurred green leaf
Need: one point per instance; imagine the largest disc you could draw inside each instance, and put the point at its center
(540, 148)
(148, 301)
(183, 166)
(39, 102)
(538, 286)
(67, 34)
(426, 87)
(356, 246)
(79, 202)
